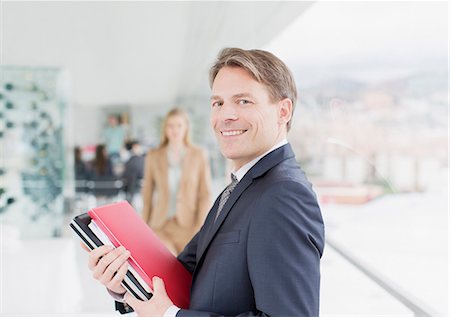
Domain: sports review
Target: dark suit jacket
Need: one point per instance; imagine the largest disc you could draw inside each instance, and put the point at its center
(132, 175)
(262, 255)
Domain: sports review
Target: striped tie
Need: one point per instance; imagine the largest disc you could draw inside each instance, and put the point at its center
(226, 194)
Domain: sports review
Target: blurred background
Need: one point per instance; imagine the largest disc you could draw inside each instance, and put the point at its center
(370, 130)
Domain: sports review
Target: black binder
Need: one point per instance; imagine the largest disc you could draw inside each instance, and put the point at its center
(80, 225)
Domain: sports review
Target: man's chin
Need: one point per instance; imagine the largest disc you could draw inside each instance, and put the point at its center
(235, 151)
(229, 154)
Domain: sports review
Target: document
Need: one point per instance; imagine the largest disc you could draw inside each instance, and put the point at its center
(118, 224)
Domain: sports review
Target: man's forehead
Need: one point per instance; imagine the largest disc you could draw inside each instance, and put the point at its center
(233, 82)
(235, 96)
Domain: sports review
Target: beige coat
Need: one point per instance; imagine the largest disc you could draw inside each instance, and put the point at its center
(193, 199)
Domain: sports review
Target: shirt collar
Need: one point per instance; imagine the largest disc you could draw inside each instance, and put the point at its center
(240, 173)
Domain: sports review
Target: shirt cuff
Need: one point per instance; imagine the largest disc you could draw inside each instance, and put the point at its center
(171, 311)
(118, 297)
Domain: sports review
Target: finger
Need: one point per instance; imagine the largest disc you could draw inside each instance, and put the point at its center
(112, 268)
(107, 260)
(132, 301)
(159, 287)
(84, 247)
(117, 280)
(96, 254)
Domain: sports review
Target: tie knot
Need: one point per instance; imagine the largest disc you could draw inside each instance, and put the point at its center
(234, 182)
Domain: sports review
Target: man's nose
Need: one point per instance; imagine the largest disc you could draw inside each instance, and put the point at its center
(228, 112)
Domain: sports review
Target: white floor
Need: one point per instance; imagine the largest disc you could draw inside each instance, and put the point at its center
(404, 238)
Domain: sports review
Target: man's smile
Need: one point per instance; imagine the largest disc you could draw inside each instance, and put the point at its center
(232, 132)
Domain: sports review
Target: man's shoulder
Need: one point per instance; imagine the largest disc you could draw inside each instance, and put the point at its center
(285, 190)
(284, 177)
(286, 170)
(136, 160)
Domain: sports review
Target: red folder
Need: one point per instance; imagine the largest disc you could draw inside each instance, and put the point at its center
(149, 256)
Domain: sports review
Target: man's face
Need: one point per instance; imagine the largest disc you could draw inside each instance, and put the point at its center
(245, 121)
(112, 121)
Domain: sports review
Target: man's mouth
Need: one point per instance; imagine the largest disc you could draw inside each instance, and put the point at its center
(232, 132)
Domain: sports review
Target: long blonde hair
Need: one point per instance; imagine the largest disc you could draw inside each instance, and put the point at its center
(172, 113)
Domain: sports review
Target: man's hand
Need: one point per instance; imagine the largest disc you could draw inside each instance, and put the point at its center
(109, 266)
(155, 306)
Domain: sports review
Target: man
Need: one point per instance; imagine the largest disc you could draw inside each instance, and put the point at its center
(134, 170)
(114, 136)
(258, 252)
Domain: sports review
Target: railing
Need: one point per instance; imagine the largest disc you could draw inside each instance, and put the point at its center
(415, 305)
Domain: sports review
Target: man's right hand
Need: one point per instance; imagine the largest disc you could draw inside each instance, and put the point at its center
(109, 266)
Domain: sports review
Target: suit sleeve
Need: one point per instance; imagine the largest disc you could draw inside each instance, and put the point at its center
(147, 188)
(286, 241)
(285, 244)
(188, 257)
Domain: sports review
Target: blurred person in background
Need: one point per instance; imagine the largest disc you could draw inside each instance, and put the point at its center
(103, 180)
(81, 171)
(101, 164)
(176, 189)
(114, 136)
(134, 170)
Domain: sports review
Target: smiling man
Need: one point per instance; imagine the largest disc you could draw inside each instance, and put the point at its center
(258, 252)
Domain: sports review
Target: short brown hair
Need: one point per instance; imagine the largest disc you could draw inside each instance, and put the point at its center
(264, 67)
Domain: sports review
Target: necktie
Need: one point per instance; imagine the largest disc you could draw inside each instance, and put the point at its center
(226, 194)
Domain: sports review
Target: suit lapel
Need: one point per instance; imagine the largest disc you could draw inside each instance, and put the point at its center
(260, 168)
(213, 226)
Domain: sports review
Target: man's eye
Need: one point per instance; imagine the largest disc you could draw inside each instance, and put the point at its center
(244, 101)
(217, 104)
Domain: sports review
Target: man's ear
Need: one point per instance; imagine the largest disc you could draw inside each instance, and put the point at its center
(284, 111)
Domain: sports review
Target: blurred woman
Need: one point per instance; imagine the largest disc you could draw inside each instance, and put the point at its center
(103, 179)
(101, 165)
(176, 189)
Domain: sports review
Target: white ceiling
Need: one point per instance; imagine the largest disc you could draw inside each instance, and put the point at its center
(137, 53)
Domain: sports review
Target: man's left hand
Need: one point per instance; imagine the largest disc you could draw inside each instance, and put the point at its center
(155, 306)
